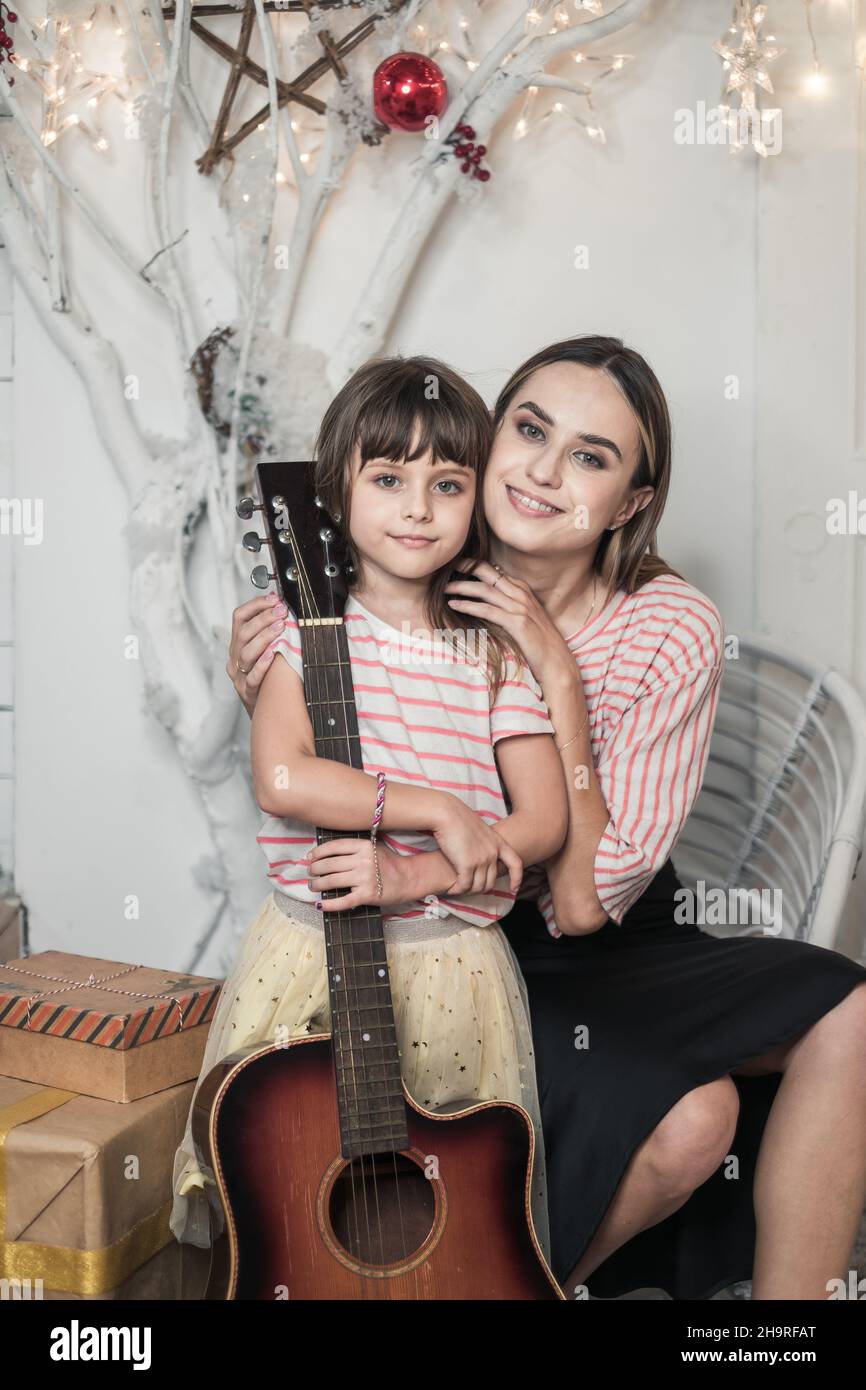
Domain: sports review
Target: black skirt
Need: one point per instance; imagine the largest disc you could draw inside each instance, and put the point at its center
(668, 1008)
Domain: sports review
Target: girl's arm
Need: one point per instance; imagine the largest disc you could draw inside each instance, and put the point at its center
(291, 782)
(530, 771)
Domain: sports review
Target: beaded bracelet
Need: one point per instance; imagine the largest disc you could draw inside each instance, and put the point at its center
(377, 816)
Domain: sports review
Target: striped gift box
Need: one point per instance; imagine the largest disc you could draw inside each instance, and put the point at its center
(103, 1002)
(102, 1028)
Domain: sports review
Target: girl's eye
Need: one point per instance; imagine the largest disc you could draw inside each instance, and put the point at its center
(450, 482)
(386, 477)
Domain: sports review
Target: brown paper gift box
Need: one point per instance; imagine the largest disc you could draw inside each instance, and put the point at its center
(11, 928)
(103, 1028)
(86, 1194)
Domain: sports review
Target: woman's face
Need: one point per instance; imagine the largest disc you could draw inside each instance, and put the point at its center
(561, 462)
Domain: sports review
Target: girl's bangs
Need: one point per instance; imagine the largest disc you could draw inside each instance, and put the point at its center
(444, 425)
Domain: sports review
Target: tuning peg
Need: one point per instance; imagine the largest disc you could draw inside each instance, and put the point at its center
(261, 576)
(252, 541)
(246, 507)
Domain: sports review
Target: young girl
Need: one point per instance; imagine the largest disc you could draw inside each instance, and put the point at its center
(400, 456)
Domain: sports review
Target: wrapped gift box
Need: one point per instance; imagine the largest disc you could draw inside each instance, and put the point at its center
(102, 1028)
(11, 928)
(86, 1193)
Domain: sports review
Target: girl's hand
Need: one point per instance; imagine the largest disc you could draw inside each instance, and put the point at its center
(349, 864)
(475, 851)
(513, 606)
(255, 624)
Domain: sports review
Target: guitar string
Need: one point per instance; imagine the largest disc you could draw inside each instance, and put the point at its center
(307, 594)
(384, 1066)
(346, 701)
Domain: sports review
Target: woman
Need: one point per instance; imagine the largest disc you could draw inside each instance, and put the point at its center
(703, 1099)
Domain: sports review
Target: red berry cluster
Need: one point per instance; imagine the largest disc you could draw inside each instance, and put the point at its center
(470, 154)
(7, 43)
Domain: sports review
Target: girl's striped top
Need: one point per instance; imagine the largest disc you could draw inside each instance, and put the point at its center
(651, 664)
(424, 717)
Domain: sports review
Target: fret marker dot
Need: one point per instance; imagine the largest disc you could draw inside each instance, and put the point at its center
(338, 978)
(381, 973)
(366, 1037)
(332, 721)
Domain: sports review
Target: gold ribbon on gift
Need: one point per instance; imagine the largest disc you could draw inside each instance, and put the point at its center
(63, 1267)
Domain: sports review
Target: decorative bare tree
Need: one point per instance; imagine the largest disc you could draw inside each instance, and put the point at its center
(254, 388)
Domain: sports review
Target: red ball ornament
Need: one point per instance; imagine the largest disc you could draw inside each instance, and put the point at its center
(407, 89)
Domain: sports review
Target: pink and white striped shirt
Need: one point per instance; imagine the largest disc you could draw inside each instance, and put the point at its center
(424, 717)
(651, 663)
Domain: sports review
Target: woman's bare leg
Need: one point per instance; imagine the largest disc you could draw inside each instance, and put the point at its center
(684, 1149)
(810, 1179)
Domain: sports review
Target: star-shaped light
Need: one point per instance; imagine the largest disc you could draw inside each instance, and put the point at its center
(746, 65)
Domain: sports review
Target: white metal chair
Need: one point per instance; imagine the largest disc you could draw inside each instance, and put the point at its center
(783, 801)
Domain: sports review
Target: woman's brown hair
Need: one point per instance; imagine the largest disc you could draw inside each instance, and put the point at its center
(380, 410)
(626, 558)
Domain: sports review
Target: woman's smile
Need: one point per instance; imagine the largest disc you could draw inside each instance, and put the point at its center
(529, 503)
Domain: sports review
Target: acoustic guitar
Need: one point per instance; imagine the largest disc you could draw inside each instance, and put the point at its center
(334, 1182)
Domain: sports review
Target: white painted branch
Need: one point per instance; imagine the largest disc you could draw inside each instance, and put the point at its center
(561, 84)
(179, 309)
(483, 100)
(114, 243)
(232, 455)
(313, 199)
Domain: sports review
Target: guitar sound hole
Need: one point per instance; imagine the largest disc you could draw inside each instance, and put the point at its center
(382, 1208)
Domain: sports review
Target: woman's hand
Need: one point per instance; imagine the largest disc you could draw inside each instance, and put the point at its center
(474, 849)
(255, 625)
(511, 604)
(349, 864)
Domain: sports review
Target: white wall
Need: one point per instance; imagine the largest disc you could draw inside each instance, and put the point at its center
(7, 716)
(711, 265)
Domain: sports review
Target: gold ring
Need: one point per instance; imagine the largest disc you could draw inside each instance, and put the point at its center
(241, 668)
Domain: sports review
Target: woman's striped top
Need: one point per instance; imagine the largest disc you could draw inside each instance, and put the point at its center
(425, 718)
(651, 664)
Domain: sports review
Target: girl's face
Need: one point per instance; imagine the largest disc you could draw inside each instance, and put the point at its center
(561, 462)
(408, 519)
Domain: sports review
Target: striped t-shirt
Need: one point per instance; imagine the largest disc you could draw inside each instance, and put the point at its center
(424, 718)
(650, 663)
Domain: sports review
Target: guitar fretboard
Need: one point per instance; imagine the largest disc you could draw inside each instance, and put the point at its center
(369, 1084)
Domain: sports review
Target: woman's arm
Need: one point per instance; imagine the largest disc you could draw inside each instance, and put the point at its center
(577, 907)
(256, 625)
(513, 605)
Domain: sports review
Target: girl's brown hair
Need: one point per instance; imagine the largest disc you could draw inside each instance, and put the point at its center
(626, 558)
(380, 409)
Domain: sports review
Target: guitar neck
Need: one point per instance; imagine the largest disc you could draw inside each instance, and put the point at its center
(367, 1062)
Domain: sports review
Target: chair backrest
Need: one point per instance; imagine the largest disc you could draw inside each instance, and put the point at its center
(782, 807)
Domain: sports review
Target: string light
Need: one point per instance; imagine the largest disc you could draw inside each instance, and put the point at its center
(746, 67)
(816, 83)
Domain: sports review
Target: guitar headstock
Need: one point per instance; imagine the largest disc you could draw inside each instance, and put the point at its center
(307, 547)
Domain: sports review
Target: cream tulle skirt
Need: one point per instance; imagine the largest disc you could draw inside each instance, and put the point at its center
(461, 1014)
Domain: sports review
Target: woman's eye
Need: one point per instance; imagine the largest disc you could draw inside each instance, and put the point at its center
(593, 458)
(449, 482)
(525, 425)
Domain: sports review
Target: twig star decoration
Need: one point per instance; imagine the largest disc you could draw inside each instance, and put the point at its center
(222, 143)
